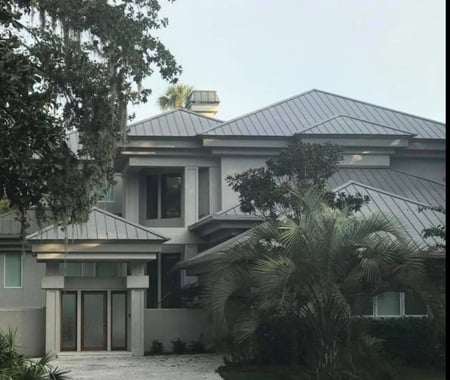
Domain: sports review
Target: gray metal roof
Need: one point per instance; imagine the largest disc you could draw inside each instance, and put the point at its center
(101, 225)
(403, 209)
(394, 181)
(175, 123)
(295, 114)
(349, 125)
(10, 225)
(203, 96)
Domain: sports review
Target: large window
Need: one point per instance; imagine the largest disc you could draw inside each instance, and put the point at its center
(390, 304)
(13, 270)
(164, 196)
(162, 281)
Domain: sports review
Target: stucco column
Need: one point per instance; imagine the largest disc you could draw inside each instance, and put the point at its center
(131, 196)
(190, 195)
(137, 282)
(52, 283)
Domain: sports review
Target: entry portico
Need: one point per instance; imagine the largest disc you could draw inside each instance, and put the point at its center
(95, 283)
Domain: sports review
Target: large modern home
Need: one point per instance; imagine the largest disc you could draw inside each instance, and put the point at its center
(109, 286)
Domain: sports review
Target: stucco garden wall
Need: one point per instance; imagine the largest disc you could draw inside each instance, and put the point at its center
(169, 324)
(30, 329)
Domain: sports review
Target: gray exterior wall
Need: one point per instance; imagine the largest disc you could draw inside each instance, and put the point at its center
(169, 324)
(30, 295)
(29, 325)
(231, 166)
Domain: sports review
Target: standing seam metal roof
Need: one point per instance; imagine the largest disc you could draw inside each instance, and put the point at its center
(404, 210)
(394, 181)
(100, 225)
(176, 123)
(295, 114)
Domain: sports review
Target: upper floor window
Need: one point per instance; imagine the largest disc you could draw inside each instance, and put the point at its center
(164, 196)
(109, 195)
(13, 270)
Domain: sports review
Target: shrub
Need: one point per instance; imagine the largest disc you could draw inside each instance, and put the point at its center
(178, 346)
(412, 340)
(157, 347)
(197, 347)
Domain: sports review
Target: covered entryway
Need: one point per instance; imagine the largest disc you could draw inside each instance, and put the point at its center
(95, 284)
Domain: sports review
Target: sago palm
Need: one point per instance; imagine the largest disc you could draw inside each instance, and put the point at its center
(312, 268)
(175, 96)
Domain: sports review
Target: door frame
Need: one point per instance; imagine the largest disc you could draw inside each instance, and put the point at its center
(104, 293)
(76, 321)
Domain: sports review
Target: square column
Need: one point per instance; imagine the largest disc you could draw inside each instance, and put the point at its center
(137, 282)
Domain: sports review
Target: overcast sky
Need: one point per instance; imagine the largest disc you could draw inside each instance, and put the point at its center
(257, 52)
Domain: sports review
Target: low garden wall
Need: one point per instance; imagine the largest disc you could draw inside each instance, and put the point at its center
(168, 325)
(30, 329)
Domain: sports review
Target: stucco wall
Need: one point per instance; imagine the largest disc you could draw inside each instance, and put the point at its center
(30, 329)
(234, 165)
(30, 295)
(169, 324)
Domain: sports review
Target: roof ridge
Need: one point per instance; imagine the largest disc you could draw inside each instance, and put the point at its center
(376, 189)
(179, 109)
(378, 106)
(257, 110)
(355, 118)
(104, 212)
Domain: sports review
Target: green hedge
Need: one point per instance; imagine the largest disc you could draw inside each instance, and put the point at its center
(413, 341)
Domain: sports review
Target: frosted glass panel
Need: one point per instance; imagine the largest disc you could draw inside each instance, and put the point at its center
(119, 326)
(13, 270)
(70, 269)
(106, 269)
(69, 321)
(388, 303)
(94, 321)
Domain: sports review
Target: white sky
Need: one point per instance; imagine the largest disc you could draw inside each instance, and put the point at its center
(257, 52)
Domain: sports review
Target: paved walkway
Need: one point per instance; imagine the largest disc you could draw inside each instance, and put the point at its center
(163, 367)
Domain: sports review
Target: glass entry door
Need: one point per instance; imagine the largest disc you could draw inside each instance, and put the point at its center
(93, 321)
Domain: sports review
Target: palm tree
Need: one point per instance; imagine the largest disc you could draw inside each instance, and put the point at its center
(14, 365)
(175, 97)
(310, 269)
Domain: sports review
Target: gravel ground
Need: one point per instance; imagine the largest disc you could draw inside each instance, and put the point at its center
(164, 367)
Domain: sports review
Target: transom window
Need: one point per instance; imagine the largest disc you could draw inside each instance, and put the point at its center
(91, 269)
(164, 196)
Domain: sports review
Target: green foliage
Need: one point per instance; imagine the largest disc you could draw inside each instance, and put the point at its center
(412, 341)
(268, 190)
(438, 231)
(157, 347)
(178, 346)
(14, 365)
(4, 205)
(308, 271)
(77, 70)
(197, 347)
(176, 96)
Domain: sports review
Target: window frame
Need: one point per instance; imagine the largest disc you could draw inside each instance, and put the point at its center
(159, 195)
(4, 270)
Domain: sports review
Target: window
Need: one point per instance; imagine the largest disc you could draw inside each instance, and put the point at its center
(164, 196)
(390, 304)
(109, 195)
(13, 270)
(106, 270)
(170, 282)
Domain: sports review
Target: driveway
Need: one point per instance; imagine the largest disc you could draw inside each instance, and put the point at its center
(162, 367)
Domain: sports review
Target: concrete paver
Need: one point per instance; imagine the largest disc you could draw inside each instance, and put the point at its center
(161, 367)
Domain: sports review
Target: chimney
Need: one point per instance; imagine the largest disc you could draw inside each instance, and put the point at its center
(205, 103)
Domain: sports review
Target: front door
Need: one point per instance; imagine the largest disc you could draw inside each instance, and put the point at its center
(93, 321)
